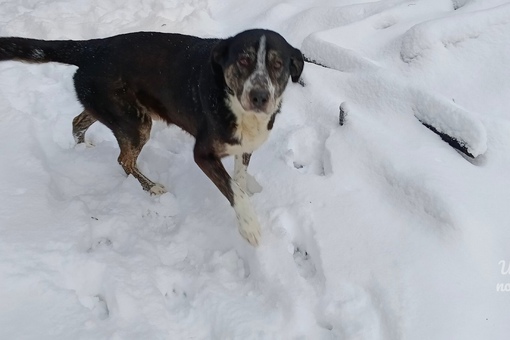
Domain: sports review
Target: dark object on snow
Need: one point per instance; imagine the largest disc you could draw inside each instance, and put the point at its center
(343, 114)
(312, 61)
(453, 142)
(457, 144)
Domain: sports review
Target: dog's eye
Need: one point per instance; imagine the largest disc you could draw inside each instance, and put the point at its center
(244, 61)
(277, 65)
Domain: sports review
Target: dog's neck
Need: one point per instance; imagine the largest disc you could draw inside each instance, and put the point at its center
(251, 129)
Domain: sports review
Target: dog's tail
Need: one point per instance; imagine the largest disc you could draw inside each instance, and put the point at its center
(42, 51)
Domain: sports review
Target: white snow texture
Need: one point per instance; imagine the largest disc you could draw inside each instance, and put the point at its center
(373, 230)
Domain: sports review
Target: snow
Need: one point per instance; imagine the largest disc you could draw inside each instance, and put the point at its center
(376, 229)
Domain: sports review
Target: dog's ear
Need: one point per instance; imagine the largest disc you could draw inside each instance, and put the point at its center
(219, 53)
(297, 62)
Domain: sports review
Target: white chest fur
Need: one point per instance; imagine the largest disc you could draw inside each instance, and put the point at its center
(251, 132)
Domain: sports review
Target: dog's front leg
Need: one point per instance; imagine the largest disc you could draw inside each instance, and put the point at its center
(247, 221)
(242, 177)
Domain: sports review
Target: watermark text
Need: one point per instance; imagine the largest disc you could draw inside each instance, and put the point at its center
(505, 270)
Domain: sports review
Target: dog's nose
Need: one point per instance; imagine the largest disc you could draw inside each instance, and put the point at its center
(259, 98)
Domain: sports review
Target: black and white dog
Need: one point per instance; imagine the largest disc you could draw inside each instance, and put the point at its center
(224, 92)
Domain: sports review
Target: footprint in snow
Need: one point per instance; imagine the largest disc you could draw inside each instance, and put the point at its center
(100, 243)
(350, 314)
(297, 231)
(305, 150)
(97, 305)
(304, 263)
(100, 308)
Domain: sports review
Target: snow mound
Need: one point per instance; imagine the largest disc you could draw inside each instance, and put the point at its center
(452, 31)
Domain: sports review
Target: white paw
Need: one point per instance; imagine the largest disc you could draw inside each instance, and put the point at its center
(246, 219)
(157, 189)
(84, 145)
(250, 230)
(252, 186)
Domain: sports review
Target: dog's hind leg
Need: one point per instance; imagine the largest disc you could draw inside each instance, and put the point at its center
(116, 106)
(130, 147)
(80, 125)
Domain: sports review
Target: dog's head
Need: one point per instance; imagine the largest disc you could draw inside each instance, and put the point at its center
(256, 66)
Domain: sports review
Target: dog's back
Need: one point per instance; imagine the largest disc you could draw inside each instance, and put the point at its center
(150, 64)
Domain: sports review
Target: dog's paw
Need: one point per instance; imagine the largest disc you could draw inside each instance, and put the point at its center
(157, 189)
(252, 186)
(247, 221)
(251, 232)
(84, 145)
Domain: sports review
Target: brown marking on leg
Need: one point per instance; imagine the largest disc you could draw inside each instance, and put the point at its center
(130, 148)
(80, 125)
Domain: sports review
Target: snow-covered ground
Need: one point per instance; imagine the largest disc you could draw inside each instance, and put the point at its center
(376, 229)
